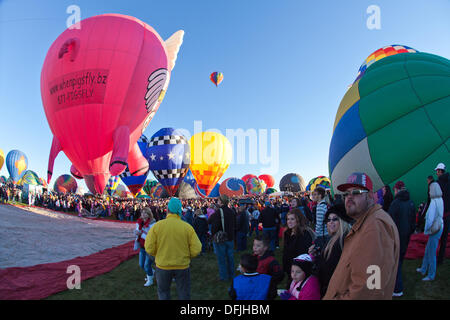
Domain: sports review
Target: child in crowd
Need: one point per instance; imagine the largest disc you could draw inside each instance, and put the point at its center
(267, 264)
(304, 285)
(250, 285)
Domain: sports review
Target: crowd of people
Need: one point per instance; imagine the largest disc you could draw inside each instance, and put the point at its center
(330, 245)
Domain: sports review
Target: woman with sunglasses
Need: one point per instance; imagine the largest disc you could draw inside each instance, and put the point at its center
(327, 258)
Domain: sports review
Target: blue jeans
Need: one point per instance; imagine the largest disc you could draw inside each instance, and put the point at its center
(202, 238)
(271, 233)
(225, 259)
(399, 281)
(241, 241)
(283, 218)
(254, 226)
(145, 262)
(429, 258)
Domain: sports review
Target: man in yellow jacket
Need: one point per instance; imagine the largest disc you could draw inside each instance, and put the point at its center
(173, 243)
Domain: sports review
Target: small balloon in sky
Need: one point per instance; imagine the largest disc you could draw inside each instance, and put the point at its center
(216, 78)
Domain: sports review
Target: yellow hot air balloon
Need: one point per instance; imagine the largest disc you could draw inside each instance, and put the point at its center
(211, 155)
(2, 158)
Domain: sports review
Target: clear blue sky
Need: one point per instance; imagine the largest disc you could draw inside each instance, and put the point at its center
(286, 66)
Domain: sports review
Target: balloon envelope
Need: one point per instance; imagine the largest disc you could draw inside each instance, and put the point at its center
(292, 182)
(268, 179)
(392, 124)
(101, 85)
(148, 185)
(158, 192)
(65, 183)
(2, 158)
(169, 158)
(186, 191)
(232, 187)
(202, 193)
(216, 78)
(255, 186)
(248, 176)
(30, 177)
(135, 183)
(320, 181)
(17, 164)
(271, 190)
(211, 155)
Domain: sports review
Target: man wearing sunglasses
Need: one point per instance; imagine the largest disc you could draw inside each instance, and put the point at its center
(368, 265)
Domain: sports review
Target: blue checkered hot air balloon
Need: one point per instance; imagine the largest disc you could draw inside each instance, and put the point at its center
(169, 158)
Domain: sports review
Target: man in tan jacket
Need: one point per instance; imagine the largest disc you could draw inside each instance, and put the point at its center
(368, 265)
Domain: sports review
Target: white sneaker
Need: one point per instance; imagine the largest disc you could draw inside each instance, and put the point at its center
(427, 279)
(397, 294)
(149, 281)
(419, 270)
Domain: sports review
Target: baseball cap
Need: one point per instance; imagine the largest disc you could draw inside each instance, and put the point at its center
(357, 180)
(399, 185)
(440, 166)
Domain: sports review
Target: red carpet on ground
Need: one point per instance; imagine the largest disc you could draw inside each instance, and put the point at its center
(417, 244)
(43, 280)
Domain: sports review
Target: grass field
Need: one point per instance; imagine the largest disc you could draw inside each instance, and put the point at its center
(126, 282)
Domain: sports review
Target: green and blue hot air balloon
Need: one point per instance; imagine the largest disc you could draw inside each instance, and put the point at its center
(393, 122)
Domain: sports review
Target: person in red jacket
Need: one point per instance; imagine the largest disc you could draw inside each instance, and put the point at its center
(143, 225)
(267, 264)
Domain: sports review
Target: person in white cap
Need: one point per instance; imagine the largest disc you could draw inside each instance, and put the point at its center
(444, 183)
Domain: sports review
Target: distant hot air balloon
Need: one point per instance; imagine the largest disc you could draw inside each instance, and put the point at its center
(113, 182)
(186, 191)
(202, 193)
(158, 192)
(271, 190)
(122, 192)
(211, 155)
(255, 186)
(320, 181)
(148, 185)
(268, 179)
(169, 158)
(190, 179)
(65, 183)
(30, 177)
(16, 163)
(292, 182)
(232, 187)
(43, 182)
(2, 158)
(136, 182)
(248, 176)
(101, 85)
(216, 78)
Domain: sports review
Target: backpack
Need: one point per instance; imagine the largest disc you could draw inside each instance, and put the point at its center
(220, 236)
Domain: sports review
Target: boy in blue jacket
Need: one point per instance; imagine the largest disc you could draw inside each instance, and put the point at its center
(250, 285)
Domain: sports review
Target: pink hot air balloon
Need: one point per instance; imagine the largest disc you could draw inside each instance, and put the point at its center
(101, 85)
